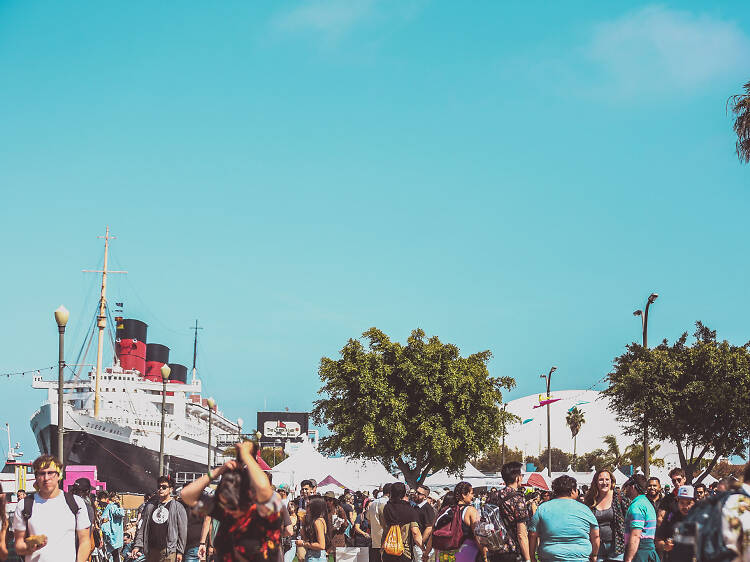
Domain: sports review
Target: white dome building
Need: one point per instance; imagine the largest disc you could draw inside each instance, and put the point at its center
(531, 437)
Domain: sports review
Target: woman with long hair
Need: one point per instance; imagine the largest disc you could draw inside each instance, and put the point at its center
(292, 541)
(609, 508)
(464, 494)
(315, 530)
(399, 512)
(245, 505)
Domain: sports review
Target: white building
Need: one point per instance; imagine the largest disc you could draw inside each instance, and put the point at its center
(531, 437)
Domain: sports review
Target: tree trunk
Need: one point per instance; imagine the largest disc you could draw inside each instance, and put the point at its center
(412, 476)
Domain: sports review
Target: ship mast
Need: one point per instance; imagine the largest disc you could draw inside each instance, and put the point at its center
(101, 319)
(195, 345)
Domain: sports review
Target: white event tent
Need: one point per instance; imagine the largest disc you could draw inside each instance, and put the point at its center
(442, 479)
(307, 462)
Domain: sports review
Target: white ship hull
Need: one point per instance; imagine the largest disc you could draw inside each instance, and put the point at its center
(124, 442)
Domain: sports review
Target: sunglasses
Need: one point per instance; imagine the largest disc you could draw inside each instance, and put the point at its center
(163, 486)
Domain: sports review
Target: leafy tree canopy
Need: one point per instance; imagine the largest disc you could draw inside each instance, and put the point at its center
(598, 459)
(492, 459)
(560, 460)
(696, 396)
(420, 406)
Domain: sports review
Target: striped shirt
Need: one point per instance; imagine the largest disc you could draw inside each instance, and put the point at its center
(641, 515)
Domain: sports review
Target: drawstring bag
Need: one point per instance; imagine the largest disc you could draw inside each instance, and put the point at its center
(393, 544)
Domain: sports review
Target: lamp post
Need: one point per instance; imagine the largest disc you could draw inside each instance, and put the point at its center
(504, 407)
(61, 317)
(644, 325)
(165, 372)
(211, 403)
(239, 428)
(548, 377)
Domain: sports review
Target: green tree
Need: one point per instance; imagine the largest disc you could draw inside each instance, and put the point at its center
(421, 406)
(492, 459)
(597, 459)
(575, 419)
(560, 460)
(740, 105)
(634, 455)
(614, 456)
(273, 455)
(695, 396)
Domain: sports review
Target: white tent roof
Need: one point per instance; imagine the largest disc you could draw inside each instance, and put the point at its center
(304, 463)
(307, 462)
(359, 474)
(469, 473)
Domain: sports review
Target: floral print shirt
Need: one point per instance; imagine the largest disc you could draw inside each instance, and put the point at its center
(735, 524)
(253, 537)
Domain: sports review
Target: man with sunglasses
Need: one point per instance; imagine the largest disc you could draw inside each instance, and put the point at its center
(669, 503)
(59, 519)
(163, 533)
(426, 516)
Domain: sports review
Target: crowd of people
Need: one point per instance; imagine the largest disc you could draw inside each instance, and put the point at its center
(235, 513)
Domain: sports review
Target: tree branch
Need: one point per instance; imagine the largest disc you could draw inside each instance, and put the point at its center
(709, 468)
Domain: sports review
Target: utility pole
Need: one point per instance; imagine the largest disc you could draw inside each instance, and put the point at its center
(644, 325)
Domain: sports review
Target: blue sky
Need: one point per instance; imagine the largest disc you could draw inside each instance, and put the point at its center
(511, 176)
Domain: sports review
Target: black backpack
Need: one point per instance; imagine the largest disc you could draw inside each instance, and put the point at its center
(699, 535)
(28, 507)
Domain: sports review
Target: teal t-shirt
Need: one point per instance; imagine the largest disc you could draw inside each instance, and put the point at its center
(563, 526)
(641, 515)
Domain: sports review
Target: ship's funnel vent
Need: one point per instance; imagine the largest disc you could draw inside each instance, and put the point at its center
(131, 344)
(156, 356)
(179, 373)
(129, 329)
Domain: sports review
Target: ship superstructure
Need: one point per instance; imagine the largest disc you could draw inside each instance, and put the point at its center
(112, 416)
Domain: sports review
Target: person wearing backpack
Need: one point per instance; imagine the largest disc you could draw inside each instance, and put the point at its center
(514, 512)
(453, 533)
(56, 517)
(400, 527)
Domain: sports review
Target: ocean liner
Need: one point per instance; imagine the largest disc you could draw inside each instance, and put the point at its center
(112, 416)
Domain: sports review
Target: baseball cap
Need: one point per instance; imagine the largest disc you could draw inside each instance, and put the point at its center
(83, 484)
(687, 492)
(329, 494)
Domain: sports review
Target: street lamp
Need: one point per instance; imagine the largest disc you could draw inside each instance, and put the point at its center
(644, 326)
(61, 317)
(549, 427)
(239, 428)
(165, 372)
(504, 409)
(211, 403)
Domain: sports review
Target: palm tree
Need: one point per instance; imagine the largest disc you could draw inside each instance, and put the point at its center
(740, 105)
(634, 454)
(575, 420)
(614, 457)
